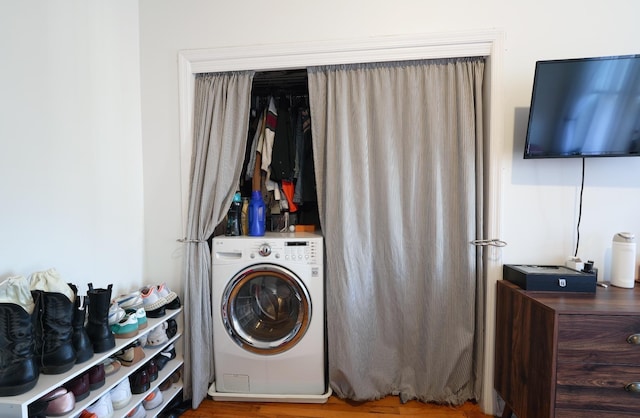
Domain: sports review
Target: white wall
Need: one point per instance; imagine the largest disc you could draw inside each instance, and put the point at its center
(71, 194)
(89, 97)
(539, 197)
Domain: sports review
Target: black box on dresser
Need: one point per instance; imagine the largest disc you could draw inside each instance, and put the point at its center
(549, 278)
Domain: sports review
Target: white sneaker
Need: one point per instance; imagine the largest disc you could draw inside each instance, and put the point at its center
(153, 400)
(121, 394)
(103, 407)
(153, 304)
(126, 328)
(16, 290)
(141, 316)
(157, 336)
(173, 302)
(116, 313)
(131, 301)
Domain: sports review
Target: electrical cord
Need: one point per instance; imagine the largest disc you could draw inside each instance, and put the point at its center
(579, 211)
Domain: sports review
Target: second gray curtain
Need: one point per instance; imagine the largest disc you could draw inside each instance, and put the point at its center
(395, 147)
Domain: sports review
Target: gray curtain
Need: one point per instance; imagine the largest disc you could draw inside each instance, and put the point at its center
(398, 152)
(221, 123)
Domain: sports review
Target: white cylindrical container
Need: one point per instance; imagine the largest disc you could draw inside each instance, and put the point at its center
(623, 260)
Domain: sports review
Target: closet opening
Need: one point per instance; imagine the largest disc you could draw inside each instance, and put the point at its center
(280, 130)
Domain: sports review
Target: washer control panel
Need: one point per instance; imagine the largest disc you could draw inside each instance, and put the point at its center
(292, 250)
(299, 251)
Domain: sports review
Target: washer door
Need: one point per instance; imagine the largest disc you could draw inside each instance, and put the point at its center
(266, 309)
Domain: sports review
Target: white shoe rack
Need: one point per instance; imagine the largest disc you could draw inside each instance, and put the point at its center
(17, 406)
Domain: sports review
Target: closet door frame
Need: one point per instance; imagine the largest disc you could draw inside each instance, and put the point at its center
(484, 43)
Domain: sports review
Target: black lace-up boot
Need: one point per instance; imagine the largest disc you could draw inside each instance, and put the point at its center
(53, 332)
(18, 368)
(81, 342)
(98, 323)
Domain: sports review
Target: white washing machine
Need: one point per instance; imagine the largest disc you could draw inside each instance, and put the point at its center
(268, 315)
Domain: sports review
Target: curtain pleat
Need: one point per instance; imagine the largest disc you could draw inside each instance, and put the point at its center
(221, 123)
(398, 151)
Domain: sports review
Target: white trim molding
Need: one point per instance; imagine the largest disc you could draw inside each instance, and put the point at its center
(486, 43)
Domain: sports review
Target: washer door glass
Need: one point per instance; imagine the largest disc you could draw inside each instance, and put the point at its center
(266, 309)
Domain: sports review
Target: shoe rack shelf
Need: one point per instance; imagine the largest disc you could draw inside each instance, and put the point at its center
(167, 395)
(17, 406)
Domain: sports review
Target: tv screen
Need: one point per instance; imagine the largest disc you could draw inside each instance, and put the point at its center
(587, 107)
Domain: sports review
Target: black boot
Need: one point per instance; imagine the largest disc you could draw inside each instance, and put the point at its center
(81, 341)
(98, 322)
(53, 332)
(18, 368)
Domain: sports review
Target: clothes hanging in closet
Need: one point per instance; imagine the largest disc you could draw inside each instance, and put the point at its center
(283, 140)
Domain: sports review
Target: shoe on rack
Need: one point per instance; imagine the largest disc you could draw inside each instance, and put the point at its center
(172, 328)
(169, 353)
(127, 327)
(152, 370)
(59, 402)
(103, 408)
(139, 381)
(143, 340)
(176, 408)
(19, 372)
(111, 366)
(116, 313)
(96, 376)
(131, 301)
(137, 412)
(154, 304)
(174, 378)
(53, 330)
(80, 339)
(131, 354)
(153, 400)
(87, 414)
(79, 386)
(141, 315)
(98, 320)
(121, 394)
(157, 336)
(171, 297)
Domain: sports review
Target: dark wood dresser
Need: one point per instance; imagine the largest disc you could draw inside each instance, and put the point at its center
(568, 355)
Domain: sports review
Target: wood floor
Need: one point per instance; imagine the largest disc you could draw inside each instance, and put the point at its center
(334, 408)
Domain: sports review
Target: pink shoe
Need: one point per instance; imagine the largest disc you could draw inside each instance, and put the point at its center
(59, 402)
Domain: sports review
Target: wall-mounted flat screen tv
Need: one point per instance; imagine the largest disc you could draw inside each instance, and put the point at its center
(587, 107)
